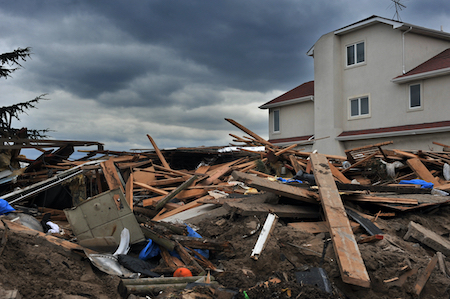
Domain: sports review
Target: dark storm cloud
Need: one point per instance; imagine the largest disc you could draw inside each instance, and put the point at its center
(117, 70)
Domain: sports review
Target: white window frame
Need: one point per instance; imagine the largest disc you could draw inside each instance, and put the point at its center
(359, 116)
(355, 54)
(420, 107)
(274, 121)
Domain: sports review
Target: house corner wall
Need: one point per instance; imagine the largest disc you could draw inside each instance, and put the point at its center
(328, 112)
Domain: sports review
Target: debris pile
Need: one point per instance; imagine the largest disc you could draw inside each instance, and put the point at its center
(250, 220)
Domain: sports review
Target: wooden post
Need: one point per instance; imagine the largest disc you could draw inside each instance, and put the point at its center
(346, 249)
(158, 152)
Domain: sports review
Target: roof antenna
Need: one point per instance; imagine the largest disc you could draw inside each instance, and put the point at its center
(398, 7)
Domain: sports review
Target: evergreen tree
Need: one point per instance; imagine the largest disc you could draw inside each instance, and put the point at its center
(9, 63)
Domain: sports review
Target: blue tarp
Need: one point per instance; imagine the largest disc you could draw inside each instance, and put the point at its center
(288, 180)
(5, 208)
(422, 183)
(152, 249)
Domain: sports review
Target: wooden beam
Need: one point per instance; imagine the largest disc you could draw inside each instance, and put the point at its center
(346, 249)
(282, 211)
(362, 161)
(425, 275)
(282, 151)
(129, 191)
(158, 152)
(338, 175)
(254, 135)
(173, 193)
(422, 172)
(111, 176)
(276, 187)
(185, 207)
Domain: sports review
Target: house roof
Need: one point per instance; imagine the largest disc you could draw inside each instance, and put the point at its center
(301, 93)
(372, 20)
(413, 129)
(436, 66)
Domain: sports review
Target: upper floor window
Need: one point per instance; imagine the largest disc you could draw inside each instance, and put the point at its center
(355, 53)
(415, 96)
(276, 121)
(359, 106)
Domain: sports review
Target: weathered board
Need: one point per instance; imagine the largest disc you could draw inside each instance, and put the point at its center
(275, 187)
(346, 249)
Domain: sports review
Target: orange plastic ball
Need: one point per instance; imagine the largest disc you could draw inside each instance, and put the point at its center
(182, 272)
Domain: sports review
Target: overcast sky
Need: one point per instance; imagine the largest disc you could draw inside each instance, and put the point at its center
(115, 71)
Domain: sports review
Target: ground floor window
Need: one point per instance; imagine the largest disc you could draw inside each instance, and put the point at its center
(359, 106)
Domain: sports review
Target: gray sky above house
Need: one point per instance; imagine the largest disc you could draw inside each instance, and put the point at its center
(115, 71)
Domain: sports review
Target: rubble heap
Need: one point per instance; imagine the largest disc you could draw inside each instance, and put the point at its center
(250, 220)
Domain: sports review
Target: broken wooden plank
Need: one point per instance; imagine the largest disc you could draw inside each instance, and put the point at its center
(158, 152)
(347, 252)
(338, 175)
(282, 151)
(182, 196)
(145, 175)
(173, 193)
(360, 162)
(425, 275)
(276, 187)
(129, 191)
(111, 175)
(254, 135)
(153, 189)
(380, 199)
(427, 237)
(422, 172)
(282, 211)
(203, 243)
(296, 164)
(316, 227)
(185, 207)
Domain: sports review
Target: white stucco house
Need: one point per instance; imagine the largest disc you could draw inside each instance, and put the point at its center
(375, 80)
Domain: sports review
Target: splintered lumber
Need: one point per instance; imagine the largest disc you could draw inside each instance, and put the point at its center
(157, 238)
(182, 196)
(145, 175)
(129, 191)
(360, 162)
(187, 258)
(346, 249)
(254, 135)
(282, 151)
(425, 275)
(337, 174)
(172, 194)
(422, 172)
(150, 188)
(19, 228)
(367, 198)
(111, 175)
(276, 187)
(427, 237)
(316, 227)
(182, 208)
(282, 211)
(266, 231)
(296, 164)
(202, 243)
(217, 173)
(158, 152)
